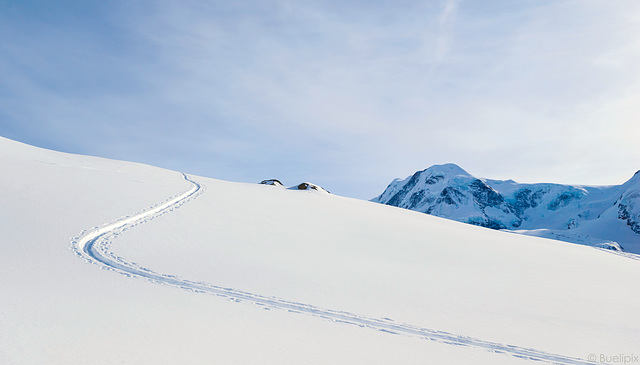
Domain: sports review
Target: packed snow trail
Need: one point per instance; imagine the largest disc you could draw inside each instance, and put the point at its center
(93, 246)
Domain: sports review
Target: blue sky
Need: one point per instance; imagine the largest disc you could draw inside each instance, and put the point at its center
(348, 96)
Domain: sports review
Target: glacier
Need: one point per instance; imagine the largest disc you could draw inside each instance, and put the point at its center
(601, 216)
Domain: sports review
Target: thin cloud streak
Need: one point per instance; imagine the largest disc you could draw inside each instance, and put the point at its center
(446, 24)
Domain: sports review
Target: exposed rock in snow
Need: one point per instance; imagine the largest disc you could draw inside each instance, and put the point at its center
(309, 186)
(301, 186)
(629, 203)
(275, 182)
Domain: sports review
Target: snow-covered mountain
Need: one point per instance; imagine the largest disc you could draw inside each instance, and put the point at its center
(112, 262)
(605, 216)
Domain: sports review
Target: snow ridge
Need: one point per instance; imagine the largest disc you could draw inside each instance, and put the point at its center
(601, 216)
(93, 246)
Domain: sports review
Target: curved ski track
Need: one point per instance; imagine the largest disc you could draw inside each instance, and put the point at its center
(93, 246)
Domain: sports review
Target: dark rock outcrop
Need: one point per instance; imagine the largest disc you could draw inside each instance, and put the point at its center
(275, 182)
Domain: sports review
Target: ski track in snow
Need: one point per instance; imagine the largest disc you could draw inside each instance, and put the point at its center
(93, 246)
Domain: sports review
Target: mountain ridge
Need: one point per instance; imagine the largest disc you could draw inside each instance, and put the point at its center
(603, 216)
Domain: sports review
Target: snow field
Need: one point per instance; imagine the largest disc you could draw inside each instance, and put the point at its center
(329, 252)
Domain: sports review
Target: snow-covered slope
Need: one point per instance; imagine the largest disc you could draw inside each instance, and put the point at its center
(112, 262)
(603, 216)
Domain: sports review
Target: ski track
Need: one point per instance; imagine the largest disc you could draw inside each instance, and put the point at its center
(93, 246)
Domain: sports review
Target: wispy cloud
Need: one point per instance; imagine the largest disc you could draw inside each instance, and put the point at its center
(446, 27)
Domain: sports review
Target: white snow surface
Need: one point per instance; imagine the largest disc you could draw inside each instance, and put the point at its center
(109, 262)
